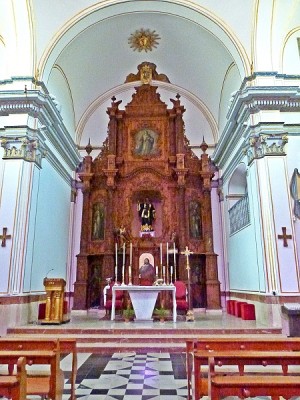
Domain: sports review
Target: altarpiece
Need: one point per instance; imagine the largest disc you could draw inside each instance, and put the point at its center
(146, 158)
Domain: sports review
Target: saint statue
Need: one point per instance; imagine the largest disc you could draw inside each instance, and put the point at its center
(146, 212)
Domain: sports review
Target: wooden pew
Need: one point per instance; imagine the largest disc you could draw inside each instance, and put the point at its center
(253, 385)
(50, 385)
(14, 387)
(219, 343)
(66, 346)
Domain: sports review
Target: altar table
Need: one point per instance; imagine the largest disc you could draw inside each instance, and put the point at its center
(143, 299)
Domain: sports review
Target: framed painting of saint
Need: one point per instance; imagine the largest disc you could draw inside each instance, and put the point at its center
(195, 220)
(98, 221)
(145, 143)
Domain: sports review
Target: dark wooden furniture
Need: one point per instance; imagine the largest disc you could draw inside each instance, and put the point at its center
(14, 387)
(211, 345)
(64, 346)
(260, 384)
(50, 385)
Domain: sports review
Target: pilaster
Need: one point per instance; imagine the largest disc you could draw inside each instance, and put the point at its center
(267, 153)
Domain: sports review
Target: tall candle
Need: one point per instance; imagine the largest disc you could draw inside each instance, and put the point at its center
(174, 255)
(130, 260)
(124, 254)
(167, 254)
(161, 254)
(156, 270)
(116, 266)
(171, 272)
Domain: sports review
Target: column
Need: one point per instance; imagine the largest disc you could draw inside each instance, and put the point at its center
(80, 286)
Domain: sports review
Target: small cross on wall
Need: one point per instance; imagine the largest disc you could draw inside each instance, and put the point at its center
(4, 236)
(284, 236)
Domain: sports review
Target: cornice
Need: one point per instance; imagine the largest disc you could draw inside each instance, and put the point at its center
(40, 105)
(251, 100)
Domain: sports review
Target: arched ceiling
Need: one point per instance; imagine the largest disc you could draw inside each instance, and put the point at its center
(90, 56)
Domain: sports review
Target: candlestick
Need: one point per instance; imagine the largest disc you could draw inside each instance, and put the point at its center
(116, 274)
(164, 275)
(130, 255)
(174, 247)
(171, 274)
(161, 254)
(129, 273)
(123, 274)
(116, 267)
(123, 253)
(167, 254)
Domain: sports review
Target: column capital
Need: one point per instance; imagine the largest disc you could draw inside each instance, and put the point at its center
(265, 145)
(23, 147)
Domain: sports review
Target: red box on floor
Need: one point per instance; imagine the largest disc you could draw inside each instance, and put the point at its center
(248, 311)
(230, 306)
(238, 308)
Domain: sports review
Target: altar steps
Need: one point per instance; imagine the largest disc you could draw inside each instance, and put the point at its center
(106, 341)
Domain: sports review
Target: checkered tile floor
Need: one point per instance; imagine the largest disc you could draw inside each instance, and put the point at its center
(130, 376)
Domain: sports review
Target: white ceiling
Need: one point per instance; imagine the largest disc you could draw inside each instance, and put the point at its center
(87, 58)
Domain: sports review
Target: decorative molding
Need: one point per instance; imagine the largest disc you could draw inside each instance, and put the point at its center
(150, 68)
(143, 40)
(250, 100)
(26, 148)
(44, 108)
(265, 145)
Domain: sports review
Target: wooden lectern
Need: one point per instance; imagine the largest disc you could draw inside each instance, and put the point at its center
(55, 289)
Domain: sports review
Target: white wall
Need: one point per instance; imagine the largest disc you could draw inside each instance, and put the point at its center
(50, 241)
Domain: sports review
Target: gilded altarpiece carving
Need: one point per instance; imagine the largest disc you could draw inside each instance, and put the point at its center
(146, 156)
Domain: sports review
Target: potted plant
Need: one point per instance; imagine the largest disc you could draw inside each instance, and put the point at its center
(128, 314)
(161, 313)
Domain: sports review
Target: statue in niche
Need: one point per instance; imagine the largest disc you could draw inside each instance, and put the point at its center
(195, 220)
(146, 212)
(98, 222)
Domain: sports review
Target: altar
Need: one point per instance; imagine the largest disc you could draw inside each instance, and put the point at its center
(143, 299)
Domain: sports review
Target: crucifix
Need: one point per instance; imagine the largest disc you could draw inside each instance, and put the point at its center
(187, 253)
(284, 236)
(4, 236)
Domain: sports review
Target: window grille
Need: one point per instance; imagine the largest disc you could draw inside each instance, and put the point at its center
(239, 216)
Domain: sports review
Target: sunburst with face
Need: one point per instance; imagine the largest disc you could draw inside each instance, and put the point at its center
(143, 40)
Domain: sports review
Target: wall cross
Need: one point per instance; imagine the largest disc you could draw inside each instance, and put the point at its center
(4, 236)
(284, 236)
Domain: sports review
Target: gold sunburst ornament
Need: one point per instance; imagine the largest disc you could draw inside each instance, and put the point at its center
(143, 40)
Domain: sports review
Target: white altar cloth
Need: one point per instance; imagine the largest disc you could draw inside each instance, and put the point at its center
(143, 299)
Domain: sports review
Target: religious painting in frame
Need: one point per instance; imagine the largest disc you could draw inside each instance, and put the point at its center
(195, 224)
(98, 219)
(146, 143)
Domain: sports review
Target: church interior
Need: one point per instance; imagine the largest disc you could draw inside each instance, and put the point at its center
(162, 186)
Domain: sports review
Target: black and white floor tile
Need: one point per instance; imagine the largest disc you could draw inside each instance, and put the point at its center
(129, 376)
